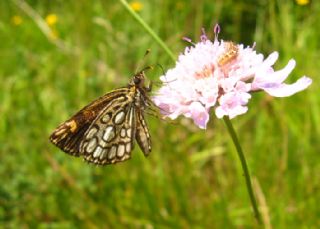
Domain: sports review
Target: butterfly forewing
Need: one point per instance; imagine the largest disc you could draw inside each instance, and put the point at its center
(69, 134)
(104, 131)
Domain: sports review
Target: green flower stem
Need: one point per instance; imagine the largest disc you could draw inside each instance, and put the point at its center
(244, 167)
(227, 121)
(148, 29)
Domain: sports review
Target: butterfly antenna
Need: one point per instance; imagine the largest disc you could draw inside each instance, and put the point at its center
(142, 61)
(160, 66)
(164, 75)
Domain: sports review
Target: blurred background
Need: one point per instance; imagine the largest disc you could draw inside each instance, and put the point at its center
(56, 56)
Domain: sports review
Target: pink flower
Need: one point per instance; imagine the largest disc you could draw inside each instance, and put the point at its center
(221, 75)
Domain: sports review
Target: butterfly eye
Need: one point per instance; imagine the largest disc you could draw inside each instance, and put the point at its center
(136, 80)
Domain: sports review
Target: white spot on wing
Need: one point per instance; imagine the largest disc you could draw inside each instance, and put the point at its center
(103, 144)
(119, 117)
(121, 150)
(91, 145)
(108, 133)
(103, 154)
(125, 157)
(105, 118)
(123, 132)
(97, 152)
(92, 132)
(129, 132)
(128, 147)
(112, 152)
(131, 115)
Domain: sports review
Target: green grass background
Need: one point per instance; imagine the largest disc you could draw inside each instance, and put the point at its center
(193, 178)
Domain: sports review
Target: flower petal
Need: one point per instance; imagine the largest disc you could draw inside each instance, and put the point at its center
(278, 76)
(284, 90)
(199, 114)
(233, 104)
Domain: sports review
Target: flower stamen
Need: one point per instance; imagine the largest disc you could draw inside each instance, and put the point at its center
(216, 31)
(203, 36)
(187, 39)
(205, 72)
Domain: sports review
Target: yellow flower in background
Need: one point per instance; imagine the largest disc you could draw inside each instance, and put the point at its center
(16, 20)
(302, 2)
(136, 6)
(51, 19)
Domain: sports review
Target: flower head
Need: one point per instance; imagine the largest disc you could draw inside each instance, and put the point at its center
(221, 75)
(16, 20)
(51, 19)
(136, 6)
(302, 2)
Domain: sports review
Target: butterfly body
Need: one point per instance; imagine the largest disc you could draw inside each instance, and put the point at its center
(104, 132)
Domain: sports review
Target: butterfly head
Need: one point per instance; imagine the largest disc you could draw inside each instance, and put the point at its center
(138, 79)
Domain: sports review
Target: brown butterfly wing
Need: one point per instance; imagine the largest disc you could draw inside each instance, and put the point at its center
(142, 133)
(68, 135)
(110, 139)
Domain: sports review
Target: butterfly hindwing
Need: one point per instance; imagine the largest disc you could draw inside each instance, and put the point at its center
(142, 133)
(110, 138)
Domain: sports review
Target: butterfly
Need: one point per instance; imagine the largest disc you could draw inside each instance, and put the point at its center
(105, 131)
